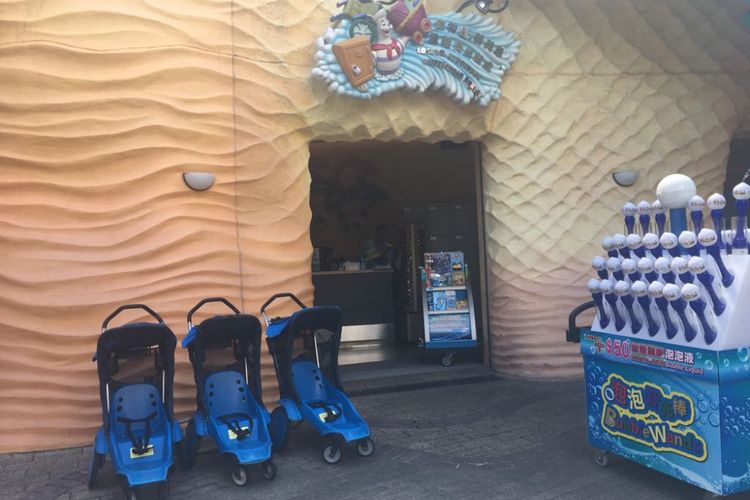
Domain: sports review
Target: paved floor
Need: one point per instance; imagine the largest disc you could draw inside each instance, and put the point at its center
(497, 439)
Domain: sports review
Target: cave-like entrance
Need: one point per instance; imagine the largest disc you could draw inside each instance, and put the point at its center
(377, 208)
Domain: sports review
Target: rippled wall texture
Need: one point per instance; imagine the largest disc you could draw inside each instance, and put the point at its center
(104, 104)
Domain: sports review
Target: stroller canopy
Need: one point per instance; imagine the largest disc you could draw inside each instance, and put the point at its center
(240, 332)
(321, 324)
(131, 340)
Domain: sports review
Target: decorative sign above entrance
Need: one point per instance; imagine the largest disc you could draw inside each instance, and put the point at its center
(372, 49)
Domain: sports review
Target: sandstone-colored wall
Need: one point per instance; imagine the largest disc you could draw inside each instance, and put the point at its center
(102, 108)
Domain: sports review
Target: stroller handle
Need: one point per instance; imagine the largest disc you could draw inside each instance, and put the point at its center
(131, 306)
(208, 300)
(280, 296)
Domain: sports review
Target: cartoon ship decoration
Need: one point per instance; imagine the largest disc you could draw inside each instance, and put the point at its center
(373, 47)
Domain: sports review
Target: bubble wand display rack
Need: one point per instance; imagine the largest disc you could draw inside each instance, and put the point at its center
(667, 359)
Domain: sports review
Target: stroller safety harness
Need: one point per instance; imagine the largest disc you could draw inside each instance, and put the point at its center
(140, 446)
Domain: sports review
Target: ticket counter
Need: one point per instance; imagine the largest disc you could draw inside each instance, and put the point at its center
(367, 299)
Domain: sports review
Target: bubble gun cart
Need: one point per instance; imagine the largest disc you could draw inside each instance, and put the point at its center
(666, 361)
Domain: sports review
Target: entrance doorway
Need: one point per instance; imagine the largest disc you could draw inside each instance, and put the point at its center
(377, 207)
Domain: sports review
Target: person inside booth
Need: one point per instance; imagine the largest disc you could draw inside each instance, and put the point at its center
(377, 253)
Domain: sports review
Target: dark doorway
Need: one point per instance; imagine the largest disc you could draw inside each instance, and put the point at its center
(401, 199)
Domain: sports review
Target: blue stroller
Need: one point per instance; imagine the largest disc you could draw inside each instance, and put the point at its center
(228, 395)
(139, 430)
(305, 348)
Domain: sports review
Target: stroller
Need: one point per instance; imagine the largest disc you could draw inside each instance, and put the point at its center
(309, 384)
(228, 395)
(139, 430)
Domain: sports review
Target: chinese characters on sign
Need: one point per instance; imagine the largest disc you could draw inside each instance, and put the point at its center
(672, 358)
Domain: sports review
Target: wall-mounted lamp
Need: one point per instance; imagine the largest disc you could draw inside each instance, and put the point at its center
(625, 178)
(198, 181)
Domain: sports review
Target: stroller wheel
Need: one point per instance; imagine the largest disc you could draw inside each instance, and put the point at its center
(189, 446)
(163, 491)
(269, 470)
(448, 359)
(278, 428)
(331, 451)
(239, 475)
(97, 462)
(131, 493)
(365, 447)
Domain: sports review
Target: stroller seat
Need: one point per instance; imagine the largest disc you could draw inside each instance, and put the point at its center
(235, 414)
(139, 427)
(325, 403)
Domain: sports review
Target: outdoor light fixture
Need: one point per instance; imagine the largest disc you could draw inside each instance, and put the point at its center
(484, 6)
(625, 178)
(198, 181)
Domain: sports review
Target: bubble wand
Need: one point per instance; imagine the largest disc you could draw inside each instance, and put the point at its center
(640, 292)
(717, 203)
(698, 267)
(741, 193)
(644, 216)
(628, 212)
(596, 294)
(711, 242)
(674, 295)
(691, 294)
(607, 288)
(656, 291)
(622, 290)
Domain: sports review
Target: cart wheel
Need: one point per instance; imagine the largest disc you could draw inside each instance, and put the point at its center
(190, 445)
(239, 475)
(448, 359)
(425, 25)
(269, 470)
(279, 428)
(364, 26)
(331, 451)
(602, 458)
(97, 462)
(417, 37)
(365, 447)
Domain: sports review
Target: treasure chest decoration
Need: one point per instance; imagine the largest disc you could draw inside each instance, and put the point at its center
(354, 56)
(372, 48)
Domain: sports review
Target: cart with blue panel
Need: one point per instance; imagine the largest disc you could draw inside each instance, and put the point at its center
(667, 358)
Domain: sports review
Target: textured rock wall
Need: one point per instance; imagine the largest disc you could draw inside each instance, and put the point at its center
(101, 109)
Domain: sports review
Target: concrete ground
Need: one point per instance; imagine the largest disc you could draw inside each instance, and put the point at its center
(494, 439)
